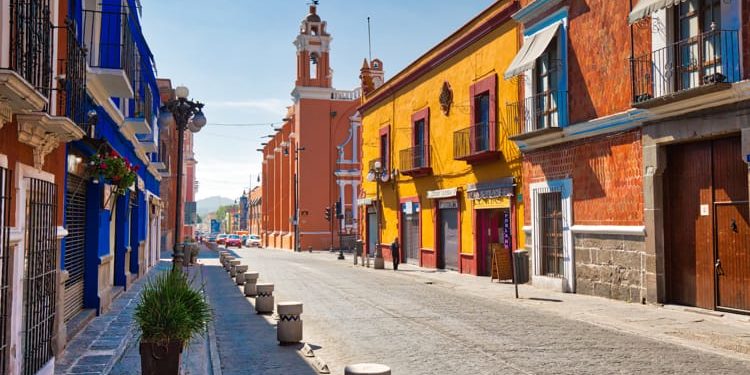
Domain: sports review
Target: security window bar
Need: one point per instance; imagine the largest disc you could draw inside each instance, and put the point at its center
(550, 207)
(5, 209)
(71, 98)
(109, 40)
(703, 54)
(31, 43)
(75, 244)
(39, 274)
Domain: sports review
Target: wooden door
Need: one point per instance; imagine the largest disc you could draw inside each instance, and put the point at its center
(688, 230)
(707, 235)
(732, 263)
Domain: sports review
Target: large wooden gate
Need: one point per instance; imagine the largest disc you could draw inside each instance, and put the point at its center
(707, 230)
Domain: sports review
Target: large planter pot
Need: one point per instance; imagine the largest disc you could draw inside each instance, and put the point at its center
(161, 359)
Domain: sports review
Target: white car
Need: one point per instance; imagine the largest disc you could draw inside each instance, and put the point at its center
(253, 240)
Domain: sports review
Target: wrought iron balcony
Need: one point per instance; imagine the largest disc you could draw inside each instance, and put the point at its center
(415, 161)
(477, 142)
(72, 101)
(112, 51)
(27, 80)
(537, 113)
(710, 61)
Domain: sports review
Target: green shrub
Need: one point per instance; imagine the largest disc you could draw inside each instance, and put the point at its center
(171, 309)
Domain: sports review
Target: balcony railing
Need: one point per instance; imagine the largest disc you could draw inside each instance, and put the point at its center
(109, 41)
(347, 94)
(31, 43)
(709, 58)
(72, 101)
(541, 111)
(474, 140)
(414, 159)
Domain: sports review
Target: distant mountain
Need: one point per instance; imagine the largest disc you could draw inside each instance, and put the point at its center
(210, 204)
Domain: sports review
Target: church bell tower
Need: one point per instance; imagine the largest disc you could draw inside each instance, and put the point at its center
(313, 46)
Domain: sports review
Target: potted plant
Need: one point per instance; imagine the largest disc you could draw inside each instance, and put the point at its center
(169, 314)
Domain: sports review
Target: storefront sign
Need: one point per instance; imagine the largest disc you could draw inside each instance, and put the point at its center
(444, 193)
(450, 203)
(485, 203)
(410, 207)
(364, 201)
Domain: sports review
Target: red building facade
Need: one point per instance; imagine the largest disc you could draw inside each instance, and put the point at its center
(301, 158)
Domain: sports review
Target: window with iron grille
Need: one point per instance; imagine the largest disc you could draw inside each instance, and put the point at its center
(39, 273)
(5, 204)
(72, 101)
(551, 232)
(31, 43)
(75, 244)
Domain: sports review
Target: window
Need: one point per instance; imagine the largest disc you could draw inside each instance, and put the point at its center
(419, 143)
(551, 220)
(384, 151)
(418, 156)
(481, 122)
(314, 66)
(698, 29)
(545, 90)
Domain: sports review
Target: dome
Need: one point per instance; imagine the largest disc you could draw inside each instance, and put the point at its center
(312, 17)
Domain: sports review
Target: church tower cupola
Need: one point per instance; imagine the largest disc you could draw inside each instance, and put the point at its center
(313, 47)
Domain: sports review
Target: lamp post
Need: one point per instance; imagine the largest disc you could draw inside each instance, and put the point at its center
(377, 174)
(296, 197)
(185, 115)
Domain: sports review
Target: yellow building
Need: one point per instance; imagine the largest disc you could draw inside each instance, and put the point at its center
(436, 151)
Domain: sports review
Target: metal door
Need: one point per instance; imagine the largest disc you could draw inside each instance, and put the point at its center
(372, 233)
(449, 238)
(75, 244)
(5, 209)
(410, 237)
(39, 274)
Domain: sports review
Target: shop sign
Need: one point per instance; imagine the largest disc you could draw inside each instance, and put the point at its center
(450, 203)
(364, 201)
(410, 207)
(497, 202)
(444, 193)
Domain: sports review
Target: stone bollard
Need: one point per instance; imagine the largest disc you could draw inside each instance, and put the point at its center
(264, 300)
(233, 267)
(289, 329)
(367, 369)
(227, 259)
(251, 277)
(223, 257)
(240, 274)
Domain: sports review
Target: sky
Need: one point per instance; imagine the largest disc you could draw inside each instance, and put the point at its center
(237, 57)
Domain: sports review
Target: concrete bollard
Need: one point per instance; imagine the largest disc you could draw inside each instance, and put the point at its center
(240, 274)
(264, 300)
(227, 259)
(223, 257)
(251, 277)
(289, 328)
(233, 267)
(367, 369)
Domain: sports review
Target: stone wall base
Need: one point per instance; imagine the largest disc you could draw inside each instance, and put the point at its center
(612, 266)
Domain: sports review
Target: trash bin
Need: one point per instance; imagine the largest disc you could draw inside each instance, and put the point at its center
(521, 265)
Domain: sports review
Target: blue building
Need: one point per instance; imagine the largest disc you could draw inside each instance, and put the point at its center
(112, 224)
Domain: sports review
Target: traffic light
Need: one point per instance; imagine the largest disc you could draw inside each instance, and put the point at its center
(339, 212)
(328, 214)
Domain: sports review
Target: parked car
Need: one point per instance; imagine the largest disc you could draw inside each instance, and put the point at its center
(211, 237)
(253, 240)
(221, 239)
(233, 240)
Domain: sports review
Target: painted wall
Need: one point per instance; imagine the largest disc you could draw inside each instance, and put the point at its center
(484, 58)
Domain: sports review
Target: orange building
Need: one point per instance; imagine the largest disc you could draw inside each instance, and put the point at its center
(311, 161)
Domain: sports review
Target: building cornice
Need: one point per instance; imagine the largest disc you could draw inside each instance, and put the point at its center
(45, 133)
(464, 37)
(535, 9)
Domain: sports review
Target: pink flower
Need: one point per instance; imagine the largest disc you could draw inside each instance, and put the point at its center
(103, 166)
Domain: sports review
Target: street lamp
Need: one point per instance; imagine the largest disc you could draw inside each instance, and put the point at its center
(376, 174)
(295, 220)
(185, 115)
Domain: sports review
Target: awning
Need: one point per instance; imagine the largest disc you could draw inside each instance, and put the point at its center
(646, 7)
(532, 48)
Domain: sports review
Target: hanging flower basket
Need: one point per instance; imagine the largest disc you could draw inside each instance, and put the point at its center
(115, 170)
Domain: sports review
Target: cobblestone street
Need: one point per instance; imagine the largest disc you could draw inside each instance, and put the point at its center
(424, 322)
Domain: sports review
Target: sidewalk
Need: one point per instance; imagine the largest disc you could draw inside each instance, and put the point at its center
(97, 348)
